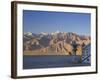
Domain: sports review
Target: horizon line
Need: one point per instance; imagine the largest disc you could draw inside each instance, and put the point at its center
(59, 32)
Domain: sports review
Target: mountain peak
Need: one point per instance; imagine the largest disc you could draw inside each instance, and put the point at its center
(44, 33)
(57, 31)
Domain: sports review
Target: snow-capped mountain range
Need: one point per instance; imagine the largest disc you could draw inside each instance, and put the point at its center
(54, 42)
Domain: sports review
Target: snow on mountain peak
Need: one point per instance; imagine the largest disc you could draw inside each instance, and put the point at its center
(57, 31)
(44, 33)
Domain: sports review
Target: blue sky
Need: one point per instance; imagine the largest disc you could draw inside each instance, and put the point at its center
(47, 21)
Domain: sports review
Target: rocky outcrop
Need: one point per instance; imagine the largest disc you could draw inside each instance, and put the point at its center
(59, 42)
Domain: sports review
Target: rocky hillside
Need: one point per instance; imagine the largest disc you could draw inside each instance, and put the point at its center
(57, 43)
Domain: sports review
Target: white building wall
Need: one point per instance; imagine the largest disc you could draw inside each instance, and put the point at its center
(86, 55)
